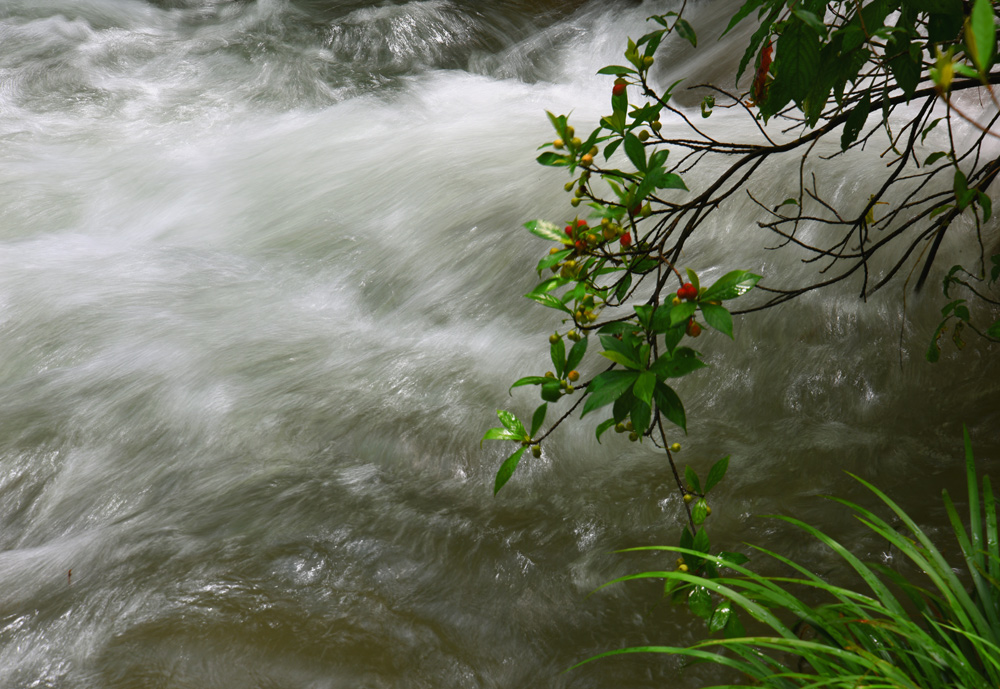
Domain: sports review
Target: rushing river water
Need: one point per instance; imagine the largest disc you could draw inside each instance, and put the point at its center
(260, 277)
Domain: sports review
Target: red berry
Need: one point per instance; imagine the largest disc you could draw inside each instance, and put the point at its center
(626, 239)
(580, 245)
(569, 230)
(689, 292)
(581, 223)
(617, 89)
(693, 329)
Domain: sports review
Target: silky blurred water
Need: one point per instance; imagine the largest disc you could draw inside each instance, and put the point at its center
(260, 278)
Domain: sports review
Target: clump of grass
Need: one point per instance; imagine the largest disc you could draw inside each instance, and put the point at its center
(942, 631)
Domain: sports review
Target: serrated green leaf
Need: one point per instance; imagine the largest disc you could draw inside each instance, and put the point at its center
(748, 7)
(716, 473)
(731, 285)
(757, 39)
(606, 387)
(507, 470)
(856, 121)
(538, 418)
(797, 61)
(718, 317)
(811, 19)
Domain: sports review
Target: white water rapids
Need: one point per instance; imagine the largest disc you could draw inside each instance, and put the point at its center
(261, 267)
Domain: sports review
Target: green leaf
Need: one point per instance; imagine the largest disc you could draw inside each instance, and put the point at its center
(856, 121)
(718, 317)
(640, 414)
(498, 434)
(546, 230)
(797, 61)
(734, 628)
(982, 24)
(603, 426)
(528, 380)
(693, 279)
(620, 358)
(758, 38)
(902, 64)
(994, 330)
(700, 602)
(616, 70)
(606, 387)
(668, 180)
(553, 159)
(557, 352)
(716, 473)
(507, 470)
(538, 418)
(551, 260)
(512, 424)
(811, 19)
(934, 157)
(694, 483)
(733, 558)
(692, 479)
(985, 204)
(644, 385)
(701, 543)
(720, 618)
(731, 285)
(576, 354)
(748, 7)
(551, 391)
(670, 405)
(699, 513)
(682, 312)
(684, 30)
(635, 151)
(681, 362)
(550, 301)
